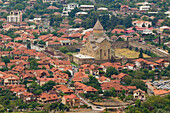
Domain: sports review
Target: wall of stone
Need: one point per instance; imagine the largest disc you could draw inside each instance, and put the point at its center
(120, 44)
(151, 48)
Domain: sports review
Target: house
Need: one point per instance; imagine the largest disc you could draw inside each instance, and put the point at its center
(144, 8)
(82, 88)
(80, 77)
(42, 81)
(78, 20)
(15, 16)
(139, 94)
(45, 98)
(162, 63)
(118, 31)
(71, 100)
(71, 6)
(11, 80)
(161, 92)
(148, 31)
(18, 69)
(140, 63)
(102, 9)
(64, 41)
(103, 79)
(63, 89)
(119, 76)
(81, 13)
(124, 8)
(142, 23)
(18, 89)
(2, 65)
(52, 7)
(89, 89)
(159, 22)
(8, 27)
(27, 97)
(129, 66)
(156, 92)
(86, 7)
(116, 85)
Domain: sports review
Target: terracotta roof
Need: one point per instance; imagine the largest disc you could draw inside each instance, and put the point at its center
(49, 96)
(11, 75)
(161, 92)
(89, 88)
(52, 7)
(139, 90)
(72, 96)
(160, 60)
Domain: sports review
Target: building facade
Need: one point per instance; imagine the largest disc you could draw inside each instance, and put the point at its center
(98, 44)
(15, 16)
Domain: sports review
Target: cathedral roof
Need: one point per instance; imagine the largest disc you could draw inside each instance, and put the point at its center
(98, 26)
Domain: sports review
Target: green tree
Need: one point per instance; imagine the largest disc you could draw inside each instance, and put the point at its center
(33, 64)
(134, 28)
(67, 72)
(6, 59)
(159, 40)
(63, 49)
(127, 22)
(12, 67)
(154, 31)
(141, 54)
(73, 12)
(110, 71)
(139, 84)
(127, 79)
(28, 45)
(138, 103)
(48, 86)
(19, 6)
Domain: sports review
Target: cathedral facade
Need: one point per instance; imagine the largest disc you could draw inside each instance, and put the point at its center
(98, 44)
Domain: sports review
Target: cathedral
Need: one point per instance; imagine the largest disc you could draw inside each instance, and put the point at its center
(98, 44)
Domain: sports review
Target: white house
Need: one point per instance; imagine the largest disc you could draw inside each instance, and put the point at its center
(144, 8)
(102, 9)
(148, 31)
(81, 13)
(139, 94)
(141, 23)
(71, 6)
(86, 7)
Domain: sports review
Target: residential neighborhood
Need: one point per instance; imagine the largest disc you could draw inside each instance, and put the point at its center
(89, 56)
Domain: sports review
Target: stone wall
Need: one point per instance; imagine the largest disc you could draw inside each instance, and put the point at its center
(145, 46)
(130, 60)
(120, 44)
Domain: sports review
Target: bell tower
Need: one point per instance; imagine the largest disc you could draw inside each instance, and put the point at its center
(98, 30)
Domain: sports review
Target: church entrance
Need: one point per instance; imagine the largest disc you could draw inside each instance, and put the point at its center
(100, 53)
(108, 53)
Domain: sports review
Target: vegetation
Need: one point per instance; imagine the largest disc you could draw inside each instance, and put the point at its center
(130, 53)
(154, 104)
(110, 71)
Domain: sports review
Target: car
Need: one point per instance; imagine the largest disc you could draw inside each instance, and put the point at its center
(98, 107)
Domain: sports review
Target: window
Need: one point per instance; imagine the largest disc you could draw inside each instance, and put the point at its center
(104, 53)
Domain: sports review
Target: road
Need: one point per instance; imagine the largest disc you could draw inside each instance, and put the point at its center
(75, 70)
(100, 108)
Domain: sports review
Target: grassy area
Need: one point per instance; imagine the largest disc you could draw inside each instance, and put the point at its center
(29, 112)
(73, 63)
(129, 53)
